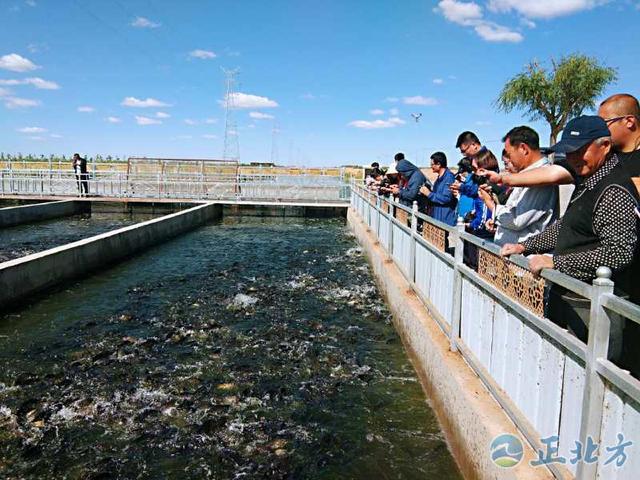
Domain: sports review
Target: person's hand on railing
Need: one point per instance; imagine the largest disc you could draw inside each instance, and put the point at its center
(511, 249)
(395, 189)
(539, 262)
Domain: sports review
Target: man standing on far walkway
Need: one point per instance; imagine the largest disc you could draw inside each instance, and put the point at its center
(82, 176)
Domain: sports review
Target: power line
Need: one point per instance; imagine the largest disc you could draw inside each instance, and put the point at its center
(231, 137)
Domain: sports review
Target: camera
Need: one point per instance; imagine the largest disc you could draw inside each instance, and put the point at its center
(479, 179)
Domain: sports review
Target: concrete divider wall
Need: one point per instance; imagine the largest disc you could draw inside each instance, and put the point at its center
(11, 216)
(470, 417)
(24, 276)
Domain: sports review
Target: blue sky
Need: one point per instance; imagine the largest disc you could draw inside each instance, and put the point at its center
(340, 78)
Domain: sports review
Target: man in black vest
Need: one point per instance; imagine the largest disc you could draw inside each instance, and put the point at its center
(599, 228)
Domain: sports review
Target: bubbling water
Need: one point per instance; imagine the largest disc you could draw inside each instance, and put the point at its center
(248, 350)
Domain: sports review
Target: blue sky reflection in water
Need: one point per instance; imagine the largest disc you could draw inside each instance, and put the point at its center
(255, 348)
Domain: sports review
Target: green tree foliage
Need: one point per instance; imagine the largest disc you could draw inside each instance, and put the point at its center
(559, 94)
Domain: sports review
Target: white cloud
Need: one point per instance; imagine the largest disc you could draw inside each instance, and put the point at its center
(113, 119)
(391, 99)
(202, 54)
(308, 96)
(32, 130)
(147, 121)
(246, 100)
(55, 135)
(86, 109)
(31, 3)
(147, 103)
(4, 92)
(142, 22)
(544, 8)
(394, 112)
(37, 138)
(209, 136)
(162, 115)
(375, 124)
(16, 63)
(462, 13)
(189, 121)
(438, 81)
(469, 14)
(37, 82)
(527, 23)
(209, 121)
(260, 115)
(16, 102)
(497, 33)
(376, 111)
(420, 100)
(184, 137)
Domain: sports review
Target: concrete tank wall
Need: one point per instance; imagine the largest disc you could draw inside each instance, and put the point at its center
(470, 417)
(11, 216)
(24, 276)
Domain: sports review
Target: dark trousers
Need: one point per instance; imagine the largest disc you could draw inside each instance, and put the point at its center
(571, 311)
(83, 183)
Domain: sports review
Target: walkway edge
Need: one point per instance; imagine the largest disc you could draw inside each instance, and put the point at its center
(24, 276)
(470, 417)
(21, 214)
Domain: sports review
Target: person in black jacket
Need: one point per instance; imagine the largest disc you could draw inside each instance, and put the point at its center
(82, 176)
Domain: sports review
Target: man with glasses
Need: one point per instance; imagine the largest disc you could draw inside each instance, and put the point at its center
(470, 146)
(621, 112)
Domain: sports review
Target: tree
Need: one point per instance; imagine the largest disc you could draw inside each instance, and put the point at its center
(572, 85)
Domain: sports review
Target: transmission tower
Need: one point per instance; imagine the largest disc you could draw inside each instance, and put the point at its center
(274, 142)
(231, 138)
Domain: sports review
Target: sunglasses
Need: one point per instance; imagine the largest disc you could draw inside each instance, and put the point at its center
(609, 121)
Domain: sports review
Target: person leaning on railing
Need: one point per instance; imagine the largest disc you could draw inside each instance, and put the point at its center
(598, 229)
(527, 210)
(413, 179)
(442, 201)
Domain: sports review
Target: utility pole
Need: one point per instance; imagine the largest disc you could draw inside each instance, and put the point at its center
(274, 142)
(231, 137)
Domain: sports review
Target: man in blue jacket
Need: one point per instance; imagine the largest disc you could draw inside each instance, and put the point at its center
(442, 201)
(413, 180)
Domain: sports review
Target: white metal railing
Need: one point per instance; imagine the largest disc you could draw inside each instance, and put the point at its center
(556, 389)
(317, 188)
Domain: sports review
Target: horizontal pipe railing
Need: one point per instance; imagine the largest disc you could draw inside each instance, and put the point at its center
(176, 185)
(599, 372)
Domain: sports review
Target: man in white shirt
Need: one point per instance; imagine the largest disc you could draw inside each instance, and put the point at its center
(528, 210)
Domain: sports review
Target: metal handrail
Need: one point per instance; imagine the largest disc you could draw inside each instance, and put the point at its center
(597, 369)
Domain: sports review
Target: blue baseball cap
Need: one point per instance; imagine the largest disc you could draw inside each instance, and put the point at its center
(579, 132)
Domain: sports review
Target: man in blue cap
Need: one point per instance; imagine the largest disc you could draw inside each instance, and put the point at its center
(599, 228)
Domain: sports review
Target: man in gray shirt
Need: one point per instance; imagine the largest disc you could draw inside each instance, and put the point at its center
(528, 210)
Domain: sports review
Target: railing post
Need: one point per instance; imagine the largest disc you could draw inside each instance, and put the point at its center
(594, 386)
(392, 215)
(379, 213)
(412, 243)
(456, 311)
